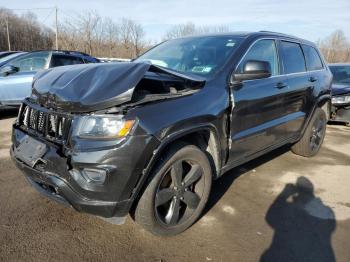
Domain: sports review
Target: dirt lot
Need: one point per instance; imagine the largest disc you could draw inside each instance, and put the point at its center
(255, 213)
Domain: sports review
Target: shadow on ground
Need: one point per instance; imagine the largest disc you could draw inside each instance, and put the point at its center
(8, 113)
(302, 226)
(221, 185)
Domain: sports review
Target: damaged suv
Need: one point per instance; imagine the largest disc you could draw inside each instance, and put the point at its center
(149, 136)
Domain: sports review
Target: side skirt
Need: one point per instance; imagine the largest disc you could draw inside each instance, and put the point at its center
(257, 154)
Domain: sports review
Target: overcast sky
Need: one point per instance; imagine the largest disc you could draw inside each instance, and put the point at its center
(311, 19)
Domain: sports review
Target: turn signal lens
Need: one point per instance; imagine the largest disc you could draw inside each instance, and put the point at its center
(126, 128)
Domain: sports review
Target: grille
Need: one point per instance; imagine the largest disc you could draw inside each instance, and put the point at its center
(53, 126)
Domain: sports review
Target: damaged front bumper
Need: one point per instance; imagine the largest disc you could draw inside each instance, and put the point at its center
(53, 176)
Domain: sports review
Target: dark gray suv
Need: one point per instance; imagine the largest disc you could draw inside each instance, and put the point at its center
(148, 137)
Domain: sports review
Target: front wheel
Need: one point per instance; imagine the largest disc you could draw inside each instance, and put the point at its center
(176, 195)
(313, 137)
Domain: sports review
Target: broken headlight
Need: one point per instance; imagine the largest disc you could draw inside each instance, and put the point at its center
(340, 100)
(103, 127)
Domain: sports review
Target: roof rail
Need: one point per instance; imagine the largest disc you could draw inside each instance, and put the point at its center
(278, 33)
(70, 52)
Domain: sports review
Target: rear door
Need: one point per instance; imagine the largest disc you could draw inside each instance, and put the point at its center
(298, 102)
(258, 113)
(15, 87)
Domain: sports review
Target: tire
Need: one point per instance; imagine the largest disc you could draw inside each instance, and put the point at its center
(311, 141)
(177, 192)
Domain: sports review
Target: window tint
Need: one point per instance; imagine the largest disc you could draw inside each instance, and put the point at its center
(31, 62)
(292, 57)
(62, 60)
(263, 50)
(313, 60)
(341, 74)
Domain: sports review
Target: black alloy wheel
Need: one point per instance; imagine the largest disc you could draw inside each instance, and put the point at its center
(177, 191)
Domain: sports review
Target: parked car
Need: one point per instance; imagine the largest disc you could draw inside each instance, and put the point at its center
(341, 93)
(7, 58)
(114, 138)
(16, 76)
(7, 53)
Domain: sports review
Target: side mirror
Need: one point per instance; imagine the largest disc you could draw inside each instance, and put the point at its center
(254, 69)
(8, 70)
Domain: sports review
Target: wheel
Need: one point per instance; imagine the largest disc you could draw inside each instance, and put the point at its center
(177, 193)
(312, 139)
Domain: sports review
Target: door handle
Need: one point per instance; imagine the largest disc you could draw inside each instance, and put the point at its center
(280, 85)
(312, 79)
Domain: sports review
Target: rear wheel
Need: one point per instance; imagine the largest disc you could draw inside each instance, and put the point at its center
(175, 197)
(313, 137)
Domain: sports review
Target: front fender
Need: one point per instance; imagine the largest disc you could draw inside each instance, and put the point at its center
(168, 140)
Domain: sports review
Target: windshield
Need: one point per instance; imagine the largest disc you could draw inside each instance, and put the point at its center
(341, 74)
(198, 55)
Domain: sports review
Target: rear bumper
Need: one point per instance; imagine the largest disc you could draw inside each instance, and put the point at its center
(341, 114)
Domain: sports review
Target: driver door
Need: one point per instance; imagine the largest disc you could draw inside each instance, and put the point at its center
(258, 115)
(17, 86)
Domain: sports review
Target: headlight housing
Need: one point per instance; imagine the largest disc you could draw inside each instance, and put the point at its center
(341, 100)
(103, 127)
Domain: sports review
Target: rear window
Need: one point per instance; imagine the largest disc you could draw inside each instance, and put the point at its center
(292, 58)
(313, 60)
(62, 60)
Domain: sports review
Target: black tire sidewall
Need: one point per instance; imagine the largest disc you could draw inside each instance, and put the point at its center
(319, 113)
(145, 212)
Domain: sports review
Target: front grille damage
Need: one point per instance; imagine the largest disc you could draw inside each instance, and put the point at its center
(51, 125)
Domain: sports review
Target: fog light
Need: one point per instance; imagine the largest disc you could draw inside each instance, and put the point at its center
(94, 175)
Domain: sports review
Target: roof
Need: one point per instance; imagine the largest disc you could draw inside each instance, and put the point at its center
(257, 34)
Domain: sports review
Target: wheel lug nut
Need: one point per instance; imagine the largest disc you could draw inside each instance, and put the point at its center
(181, 198)
(182, 183)
(175, 187)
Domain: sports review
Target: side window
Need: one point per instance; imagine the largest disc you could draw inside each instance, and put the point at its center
(313, 60)
(263, 50)
(62, 60)
(292, 58)
(31, 62)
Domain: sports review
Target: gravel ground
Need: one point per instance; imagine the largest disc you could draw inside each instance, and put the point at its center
(280, 207)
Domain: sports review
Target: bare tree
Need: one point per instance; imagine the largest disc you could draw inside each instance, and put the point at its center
(25, 32)
(87, 24)
(190, 28)
(137, 35)
(181, 30)
(336, 47)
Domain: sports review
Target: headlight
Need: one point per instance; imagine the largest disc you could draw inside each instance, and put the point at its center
(341, 99)
(103, 127)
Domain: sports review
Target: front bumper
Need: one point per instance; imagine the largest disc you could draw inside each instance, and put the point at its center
(111, 199)
(340, 113)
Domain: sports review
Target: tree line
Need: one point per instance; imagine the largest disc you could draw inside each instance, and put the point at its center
(103, 37)
(26, 33)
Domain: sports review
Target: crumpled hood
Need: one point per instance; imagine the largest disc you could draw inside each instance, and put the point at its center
(91, 87)
(338, 89)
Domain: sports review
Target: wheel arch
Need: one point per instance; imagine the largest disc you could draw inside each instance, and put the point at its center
(204, 136)
(324, 102)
